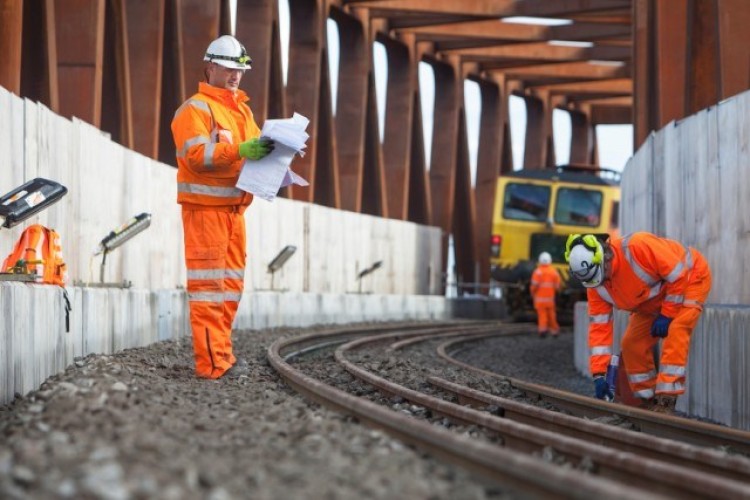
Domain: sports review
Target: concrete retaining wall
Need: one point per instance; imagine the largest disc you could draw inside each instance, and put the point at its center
(108, 184)
(34, 344)
(718, 377)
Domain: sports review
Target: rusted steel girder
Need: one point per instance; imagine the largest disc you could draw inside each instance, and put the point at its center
(258, 30)
(79, 30)
(145, 35)
(11, 22)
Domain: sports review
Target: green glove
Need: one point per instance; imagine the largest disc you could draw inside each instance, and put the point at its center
(255, 149)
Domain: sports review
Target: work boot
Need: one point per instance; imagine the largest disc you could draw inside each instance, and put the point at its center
(236, 371)
(664, 403)
(542, 334)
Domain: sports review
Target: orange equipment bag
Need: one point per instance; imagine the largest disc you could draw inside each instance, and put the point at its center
(38, 250)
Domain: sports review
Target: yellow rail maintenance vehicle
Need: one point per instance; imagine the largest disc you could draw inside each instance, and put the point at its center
(535, 211)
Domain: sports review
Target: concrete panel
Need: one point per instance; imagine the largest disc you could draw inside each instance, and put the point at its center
(96, 318)
(172, 314)
(7, 324)
(718, 374)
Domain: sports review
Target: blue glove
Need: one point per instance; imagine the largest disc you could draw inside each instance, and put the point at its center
(602, 390)
(660, 326)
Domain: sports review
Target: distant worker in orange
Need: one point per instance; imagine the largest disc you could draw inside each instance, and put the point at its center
(545, 282)
(664, 285)
(215, 133)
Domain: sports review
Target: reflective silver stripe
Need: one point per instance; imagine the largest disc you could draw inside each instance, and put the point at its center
(208, 155)
(218, 191)
(654, 290)
(199, 139)
(600, 318)
(676, 271)
(641, 377)
(644, 394)
(540, 300)
(677, 386)
(604, 294)
(216, 297)
(203, 106)
(677, 299)
(637, 269)
(205, 274)
(237, 274)
(534, 282)
(547, 285)
(690, 302)
(676, 370)
(601, 350)
(233, 296)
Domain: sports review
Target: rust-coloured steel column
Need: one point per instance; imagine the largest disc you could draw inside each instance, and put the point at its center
(644, 93)
(196, 25)
(117, 117)
(306, 42)
(734, 20)
(352, 105)
(258, 30)
(464, 213)
(39, 54)
(535, 152)
(145, 44)
(581, 147)
(670, 63)
(419, 197)
(489, 160)
(445, 149)
(326, 178)
(704, 75)
(11, 23)
(79, 29)
(399, 115)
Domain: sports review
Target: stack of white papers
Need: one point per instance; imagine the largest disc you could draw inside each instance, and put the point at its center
(263, 178)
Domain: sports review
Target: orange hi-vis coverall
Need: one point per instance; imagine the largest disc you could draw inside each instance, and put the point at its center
(207, 130)
(649, 275)
(545, 282)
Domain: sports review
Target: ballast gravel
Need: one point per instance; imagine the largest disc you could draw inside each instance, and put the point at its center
(138, 424)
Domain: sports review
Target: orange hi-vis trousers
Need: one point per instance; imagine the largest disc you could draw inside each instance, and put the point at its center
(638, 344)
(215, 258)
(547, 318)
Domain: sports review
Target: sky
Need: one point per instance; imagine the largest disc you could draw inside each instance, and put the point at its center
(615, 142)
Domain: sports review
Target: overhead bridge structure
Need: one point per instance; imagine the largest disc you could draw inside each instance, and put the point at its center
(126, 65)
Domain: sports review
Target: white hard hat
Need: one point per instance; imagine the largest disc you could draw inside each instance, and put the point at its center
(228, 52)
(545, 258)
(582, 265)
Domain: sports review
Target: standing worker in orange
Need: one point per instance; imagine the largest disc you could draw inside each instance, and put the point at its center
(664, 285)
(545, 282)
(215, 133)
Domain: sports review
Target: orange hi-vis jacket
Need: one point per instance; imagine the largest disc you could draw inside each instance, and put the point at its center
(545, 281)
(648, 275)
(207, 131)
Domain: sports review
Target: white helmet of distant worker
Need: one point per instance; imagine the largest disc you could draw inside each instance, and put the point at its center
(228, 52)
(545, 258)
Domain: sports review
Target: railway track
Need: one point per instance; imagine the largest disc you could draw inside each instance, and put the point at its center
(620, 463)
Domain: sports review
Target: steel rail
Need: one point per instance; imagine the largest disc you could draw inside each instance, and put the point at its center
(516, 471)
(732, 467)
(507, 331)
(630, 468)
(666, 426)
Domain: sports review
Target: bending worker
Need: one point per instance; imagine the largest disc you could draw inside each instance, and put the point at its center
(664, 285)
(214, 133)
(545, 282)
